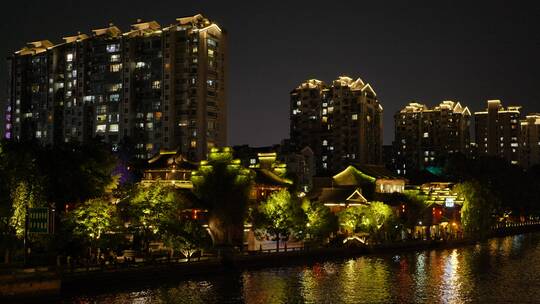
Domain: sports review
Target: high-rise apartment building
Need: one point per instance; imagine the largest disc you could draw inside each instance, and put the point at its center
(341, 123)
(530, 140)
(161, 87)
(497, 131)
(424, 136)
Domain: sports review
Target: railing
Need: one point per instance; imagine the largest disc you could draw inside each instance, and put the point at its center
(515, 224)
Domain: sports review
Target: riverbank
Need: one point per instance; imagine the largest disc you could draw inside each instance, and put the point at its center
(48, 283)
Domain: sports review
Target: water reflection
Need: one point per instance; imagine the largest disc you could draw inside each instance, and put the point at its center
(499, 271)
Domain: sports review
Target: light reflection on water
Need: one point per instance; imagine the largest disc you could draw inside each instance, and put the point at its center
(505, 270)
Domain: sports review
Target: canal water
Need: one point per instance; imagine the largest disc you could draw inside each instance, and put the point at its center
(501, 270)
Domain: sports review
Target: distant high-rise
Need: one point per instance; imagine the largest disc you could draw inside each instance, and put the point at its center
(530, 140)
(162, 87)
(341, 123)
(497, 131)
(424, 137)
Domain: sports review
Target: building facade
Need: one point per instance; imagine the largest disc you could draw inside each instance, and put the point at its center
(341, 123)
(156, 87)
(424, 136)
(530, 140)
(497, 131)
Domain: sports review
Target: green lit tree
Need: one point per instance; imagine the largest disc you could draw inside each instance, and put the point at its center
(223, 186)
(381, 218)
(321, 222)
(24, 196)
(354, 219)
(478, 206)
(150, 209)
(281, 215)
(92, 219)
(186, 236)
(375, 219)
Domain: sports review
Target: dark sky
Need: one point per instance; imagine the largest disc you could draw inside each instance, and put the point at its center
(426, 51)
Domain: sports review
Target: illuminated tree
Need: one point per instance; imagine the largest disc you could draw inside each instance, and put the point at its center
(223, 185)
(478, 206)
(186, 236)
(370, 219)
(24, 196)
(353, 219)
(281, 215)
(321, 222)
(380, 219)
(93, 219)
(151, 208)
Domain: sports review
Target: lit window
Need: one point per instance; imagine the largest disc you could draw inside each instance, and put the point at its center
(115, 67)
(210, 53)
(69, 57)
(101, 128)
(111, 48)
(115, 58)
(253, 161)
(115, 87)
(114, 97)
(426, 134)
(354, 117)
(325, 142)
(193, 144)
(156, 84)
(113, 128)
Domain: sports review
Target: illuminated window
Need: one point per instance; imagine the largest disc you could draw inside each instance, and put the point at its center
(210, 53)
(69, 57)
(426, 134)
(149, 126)
(354, 117)
(211, 42)
(113, 128)
(325, 142)
(115, 67)
(111, 48)
(115, 58)
(101, 128)
(253, 161)
(114, 97)
(156, 84)
(115, 87)
(193, 144)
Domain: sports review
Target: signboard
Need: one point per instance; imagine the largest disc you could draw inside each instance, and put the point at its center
(38, 220)
(449, 202)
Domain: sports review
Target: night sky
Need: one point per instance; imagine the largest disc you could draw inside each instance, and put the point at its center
(427, 51)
